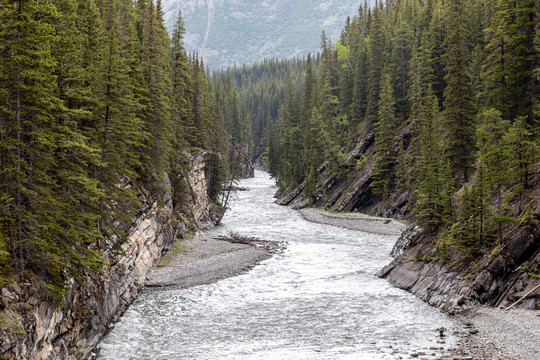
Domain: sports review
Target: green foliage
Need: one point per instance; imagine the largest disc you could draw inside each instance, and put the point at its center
(90, 103)
(94, 96)
(532, 273)
(429, 206)
(453, 79)
(510, 64)
(420, 257)
(385, 139)
(458, 97)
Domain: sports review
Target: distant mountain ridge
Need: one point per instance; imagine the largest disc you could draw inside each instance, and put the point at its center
(246, 31)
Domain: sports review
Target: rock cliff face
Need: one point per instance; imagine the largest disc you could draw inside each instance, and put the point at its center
(507, 274)
(205, 212)
(499, 278)
(351, 192)
(74, 330)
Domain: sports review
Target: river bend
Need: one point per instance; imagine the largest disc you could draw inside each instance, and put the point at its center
(318, 299)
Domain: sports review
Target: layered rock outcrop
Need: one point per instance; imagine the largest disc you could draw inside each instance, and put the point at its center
(348, 189)
(243, 158)
(499, 278)
(73, 330)
(205, 212)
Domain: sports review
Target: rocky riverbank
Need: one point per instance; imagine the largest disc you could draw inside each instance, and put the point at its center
(501, 335)
(34, 328)
(198, 260)
(490, 333)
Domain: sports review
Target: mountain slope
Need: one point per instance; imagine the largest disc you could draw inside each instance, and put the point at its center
(245, 31)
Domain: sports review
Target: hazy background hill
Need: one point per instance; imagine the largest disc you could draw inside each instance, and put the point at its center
(246, 31)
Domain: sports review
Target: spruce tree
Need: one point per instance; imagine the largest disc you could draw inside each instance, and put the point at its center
(428, 207)
(180, 112)
(458, 113)
(156, 69)
(376, 56)
(493, 155)
(385, 136)
(46, 228)
(509, 67)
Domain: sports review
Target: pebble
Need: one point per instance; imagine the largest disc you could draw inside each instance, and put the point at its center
(502, 335)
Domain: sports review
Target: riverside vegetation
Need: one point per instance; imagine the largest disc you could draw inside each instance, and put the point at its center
(98, 109)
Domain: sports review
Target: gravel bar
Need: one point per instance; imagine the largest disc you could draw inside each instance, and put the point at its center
(355, 221)
(201, 261)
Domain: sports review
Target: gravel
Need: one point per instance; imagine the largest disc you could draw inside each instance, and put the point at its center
(355, 221)
(200, 261)
(498, 334)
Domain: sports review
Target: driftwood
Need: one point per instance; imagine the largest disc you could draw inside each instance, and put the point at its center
(523, 298)
(272, 246)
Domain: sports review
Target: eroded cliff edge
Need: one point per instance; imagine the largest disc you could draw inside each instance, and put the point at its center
(73, 330)
(498, 276)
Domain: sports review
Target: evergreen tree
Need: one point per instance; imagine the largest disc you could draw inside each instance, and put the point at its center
(384, 139)
(181, 110)
(434, 50)
(156, 65)
(493, 154)
(402, 44)
(522, 150)
(458, 100)
(37, 212)
(509, 68)
(376, 56)
(428, 208)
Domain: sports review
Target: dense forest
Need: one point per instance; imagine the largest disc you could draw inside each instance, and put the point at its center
(448, 90)
(95, 96)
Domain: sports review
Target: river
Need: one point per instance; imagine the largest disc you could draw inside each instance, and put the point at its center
(318, 299)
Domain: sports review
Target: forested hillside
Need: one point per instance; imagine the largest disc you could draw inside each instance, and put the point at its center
(246, 31)
(96, 100)
(424, 110)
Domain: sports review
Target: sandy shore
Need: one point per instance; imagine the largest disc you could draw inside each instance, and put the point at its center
(199, 260)
(355, 221)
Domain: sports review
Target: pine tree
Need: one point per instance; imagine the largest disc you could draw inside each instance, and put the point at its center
(181, 111)
(359, 50)
(46, 228)
(156, 69)
(473, 229)
(493, 155)
(118, 131)
(509, 68)
(434, 49)
(402, 43)
(523, 149)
